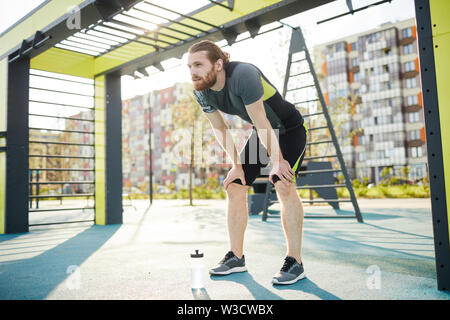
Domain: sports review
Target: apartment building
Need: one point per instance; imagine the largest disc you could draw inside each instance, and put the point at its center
(379, 71)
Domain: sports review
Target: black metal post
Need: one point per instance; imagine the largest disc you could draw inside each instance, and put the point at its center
(17, 179)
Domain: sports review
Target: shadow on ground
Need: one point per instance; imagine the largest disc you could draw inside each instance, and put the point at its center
(36, 277)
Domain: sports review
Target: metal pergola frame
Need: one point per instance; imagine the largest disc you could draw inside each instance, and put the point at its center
(43, 40)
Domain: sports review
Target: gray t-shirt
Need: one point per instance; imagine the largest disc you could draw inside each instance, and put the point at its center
(244, 85)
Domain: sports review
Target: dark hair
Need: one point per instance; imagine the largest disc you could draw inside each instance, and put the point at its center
(214, 53)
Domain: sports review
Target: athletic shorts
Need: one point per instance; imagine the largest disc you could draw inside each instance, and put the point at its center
(254, 155)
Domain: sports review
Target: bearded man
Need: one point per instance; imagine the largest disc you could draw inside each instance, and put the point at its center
(279, 130)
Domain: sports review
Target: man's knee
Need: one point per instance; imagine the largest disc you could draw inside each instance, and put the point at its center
(285, 191)
(235, 191)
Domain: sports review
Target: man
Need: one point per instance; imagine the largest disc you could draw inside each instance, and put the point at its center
(241, 89)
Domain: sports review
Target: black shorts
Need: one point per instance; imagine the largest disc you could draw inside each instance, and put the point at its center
(254, 156)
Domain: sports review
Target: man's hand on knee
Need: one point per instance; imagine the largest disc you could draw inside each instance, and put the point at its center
(235, 173)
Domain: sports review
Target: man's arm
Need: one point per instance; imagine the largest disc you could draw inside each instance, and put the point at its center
(265, 131)
(268, 138)
(223, 135)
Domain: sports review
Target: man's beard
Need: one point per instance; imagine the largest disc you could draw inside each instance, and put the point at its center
(206, 82)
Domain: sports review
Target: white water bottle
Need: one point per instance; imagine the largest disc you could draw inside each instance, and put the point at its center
(197, 270)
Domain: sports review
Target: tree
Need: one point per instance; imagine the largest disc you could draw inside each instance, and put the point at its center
(190, 125)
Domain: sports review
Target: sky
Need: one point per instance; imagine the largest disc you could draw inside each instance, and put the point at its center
(268, 52)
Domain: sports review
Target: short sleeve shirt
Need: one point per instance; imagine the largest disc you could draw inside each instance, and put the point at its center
(244, 85)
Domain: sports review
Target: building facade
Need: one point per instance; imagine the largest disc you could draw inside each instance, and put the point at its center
(379, 71)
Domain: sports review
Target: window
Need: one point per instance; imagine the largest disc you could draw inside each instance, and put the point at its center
(409, 66)
(354, 46)
(355, 62)
(339, 47)
(416, 152)
(373, 37)
(356, 76)
(388, 85)
(362, 156)
(413, 117)
(412, 100)
(410, 83)
(380, 154)
(390, 102)
(407, 33)
(414, 135)
(408, 49)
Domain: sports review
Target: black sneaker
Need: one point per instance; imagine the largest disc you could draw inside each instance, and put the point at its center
(290, 273)
(229, 264)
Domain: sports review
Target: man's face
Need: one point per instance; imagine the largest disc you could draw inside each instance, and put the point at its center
(202, 71)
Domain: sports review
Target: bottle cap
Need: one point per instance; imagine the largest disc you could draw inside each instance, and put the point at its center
(197, 254)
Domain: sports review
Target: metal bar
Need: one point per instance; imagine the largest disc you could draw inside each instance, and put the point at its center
(137, 35)
(81, 195)
(319, 216)
(62, 104)
(317, 128)
(326, 201)
(182, 15)
(331, 216)
(59, 91)
(61, 209)
(101, 49)
(69, 47)
(318, 171)
(87, 37)
(353, 11)
(58, 156)
(61, 169)
(306, 101)
(151, 31)
(72, 81)
(172, 21)
(126, 40)
(300, 60)
(319, 142)
(63, 130)
(320, 157)
(299, 74)
(119, 42)
(47, 224)
(299, 88)
(312, 114)
(64, 182)
(250, 37)
(64, 143)
(322, 186)
(55, 117)
(221, 5)
(146, 31)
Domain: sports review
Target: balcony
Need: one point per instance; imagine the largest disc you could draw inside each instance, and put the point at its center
(414, 143)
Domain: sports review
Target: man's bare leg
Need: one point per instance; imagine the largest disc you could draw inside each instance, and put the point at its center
(292, 218)
(237, 216)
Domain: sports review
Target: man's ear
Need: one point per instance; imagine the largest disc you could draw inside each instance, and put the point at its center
(219, 65)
